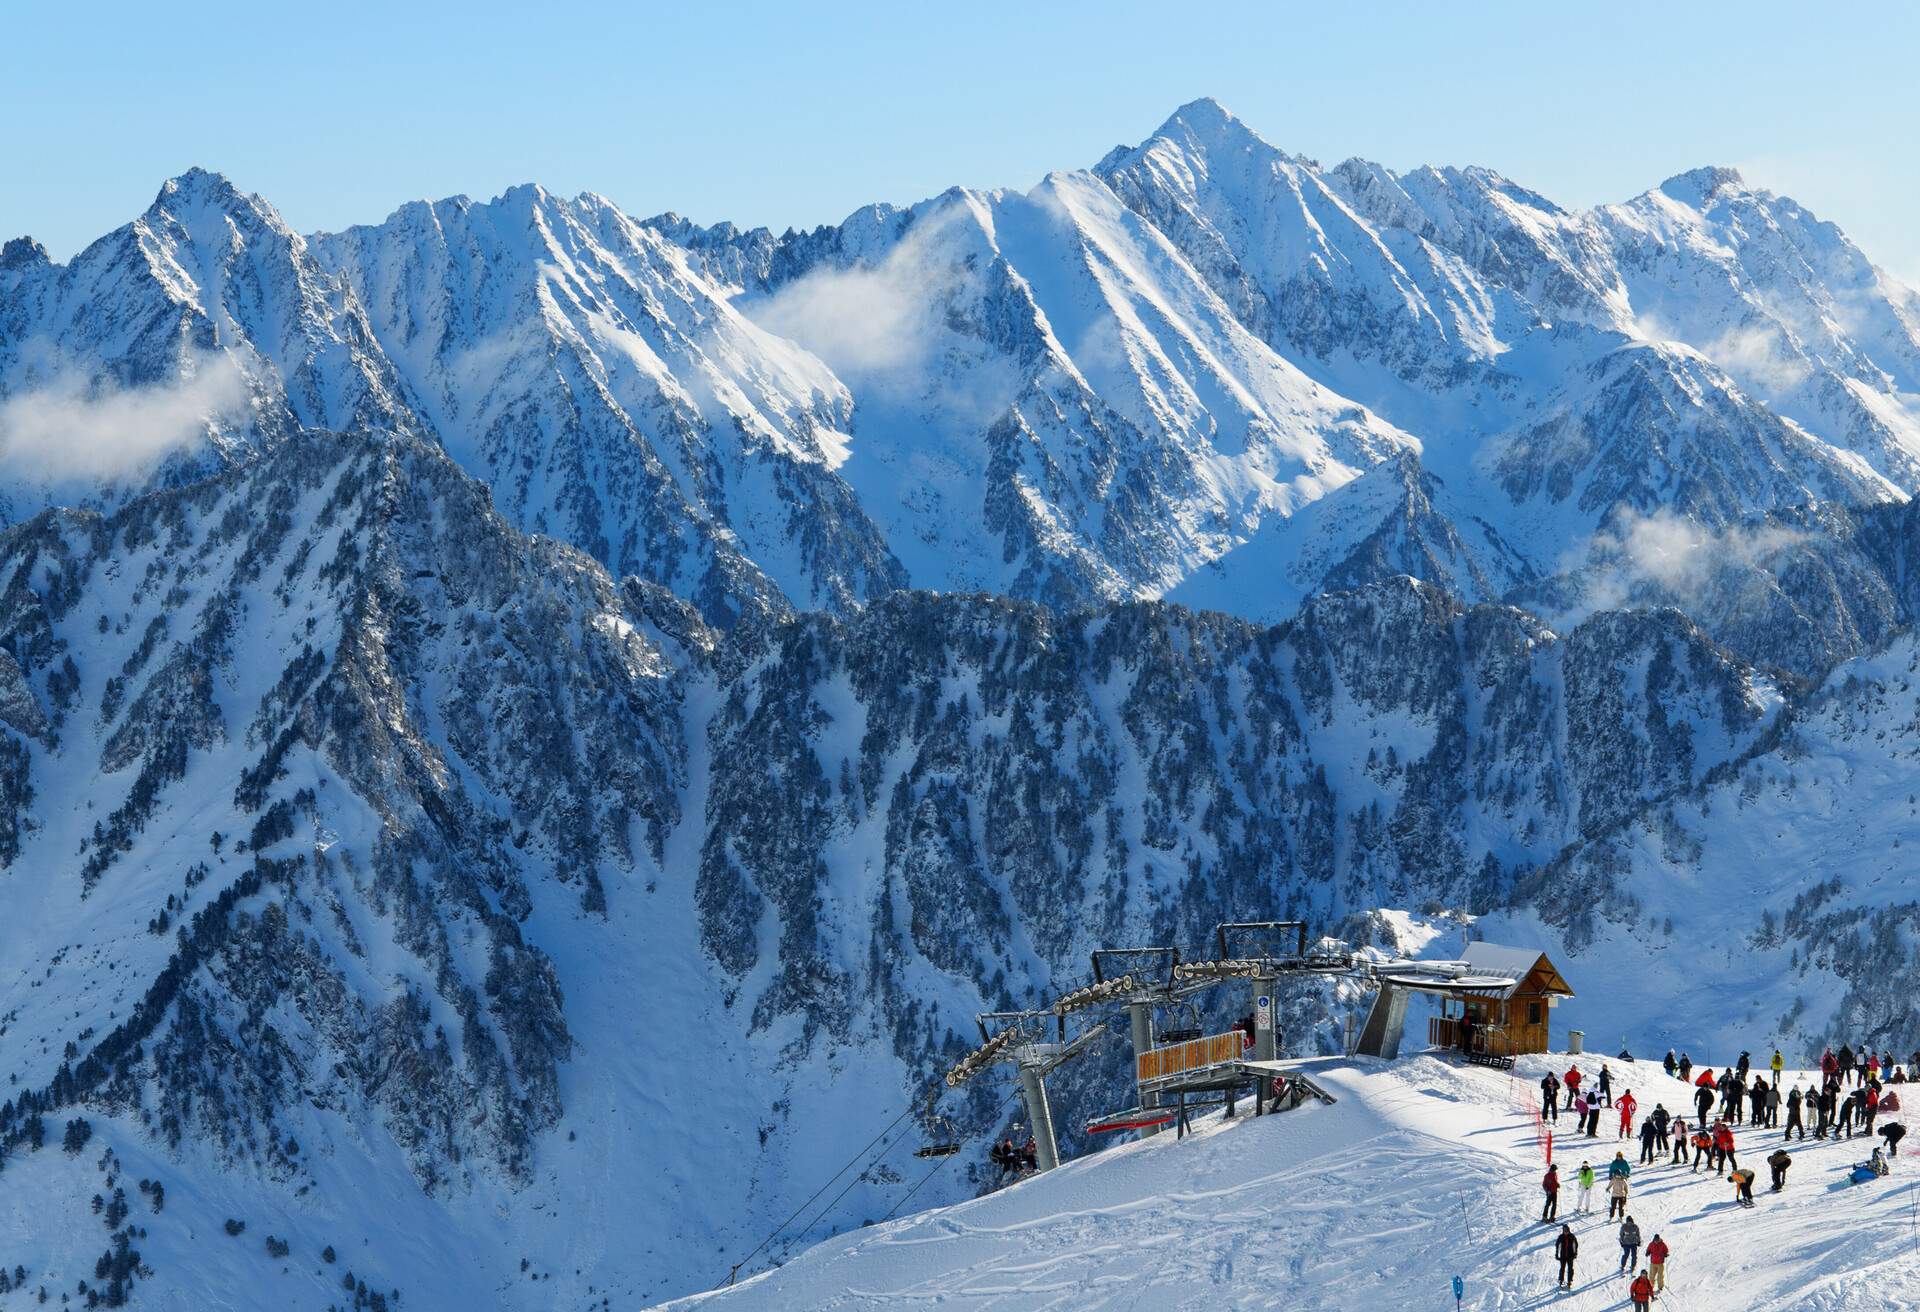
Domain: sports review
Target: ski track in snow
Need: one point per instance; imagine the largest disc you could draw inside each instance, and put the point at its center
(1422, 1170)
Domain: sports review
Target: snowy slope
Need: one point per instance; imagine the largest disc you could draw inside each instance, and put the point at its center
(1422, 1170)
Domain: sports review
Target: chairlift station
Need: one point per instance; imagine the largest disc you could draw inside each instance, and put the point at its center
(1176, 1064)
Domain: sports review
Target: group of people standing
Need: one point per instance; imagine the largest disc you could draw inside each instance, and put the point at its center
(1736, 1096)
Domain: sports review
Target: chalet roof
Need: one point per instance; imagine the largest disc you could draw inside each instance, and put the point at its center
(1515, 964)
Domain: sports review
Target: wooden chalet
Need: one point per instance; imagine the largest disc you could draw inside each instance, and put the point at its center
(1495, 1021)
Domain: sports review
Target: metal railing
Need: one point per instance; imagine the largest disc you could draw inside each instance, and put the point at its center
(1193, 1055)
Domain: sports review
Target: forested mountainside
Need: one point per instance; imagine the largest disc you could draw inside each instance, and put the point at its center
(537, 731)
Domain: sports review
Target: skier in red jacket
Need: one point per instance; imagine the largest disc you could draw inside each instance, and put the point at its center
(1571, 1082)
(1723, 1148)
(1627, 1107)
(1657, 1263)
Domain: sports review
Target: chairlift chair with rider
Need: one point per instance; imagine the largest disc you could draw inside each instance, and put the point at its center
(942, 1139)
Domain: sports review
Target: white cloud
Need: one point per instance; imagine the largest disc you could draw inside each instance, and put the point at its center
(1761, 357)
(1673, 554)
(869, 319)
(71, 429)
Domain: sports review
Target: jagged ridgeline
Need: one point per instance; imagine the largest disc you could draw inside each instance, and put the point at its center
(547, 739)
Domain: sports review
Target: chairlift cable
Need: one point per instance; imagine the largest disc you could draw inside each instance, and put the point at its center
(732, 1274)
(845, 1189)
(944, 1160)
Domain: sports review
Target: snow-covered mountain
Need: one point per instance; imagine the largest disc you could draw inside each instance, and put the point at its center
(526, 735)
(1131, 382)
(1558, 366)
(419, 859)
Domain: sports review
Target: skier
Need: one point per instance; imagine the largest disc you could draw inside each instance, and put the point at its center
(1742, 1187)
(1686, 1069)
(1744, 1065)
(1780, 1161)
(1565, 1249)
(1550, 1097)
(1702, 1102)
(1779, 1064)
(1847, 1102)
(1627, 1108)
(1845, 1063)
(1723, 1148)
(1030, 1156)
(1606, 1086)
(1585, 1178)
(1771, 1093)
(1657, 1263)
(1670, 1064)
(1593, 1118)
(1793, 1114)
(1873, 1069)
(1702, 1147)
(1571, 1082)
(1829, 1065)
(1629, 1245)
(1580, 1113)
(1878, 1162)
(1617, 1172)
(1551, 1185)
(1648, 1137)
(1641, 1292)
(1869, 1107)
(1736, 1098)
(1893, 1132)
(1679, 1141)
(1662, 1122)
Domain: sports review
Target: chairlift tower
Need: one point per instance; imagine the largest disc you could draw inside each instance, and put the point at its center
(1019, 1039)
(1142, 980)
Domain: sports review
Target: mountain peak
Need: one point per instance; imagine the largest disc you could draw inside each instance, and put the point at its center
(1204, 125)
(1206, 121)
(203, 191)
(526, 196)
(1698, 186)
(1204, 112)
(197, 184)
(22, 252)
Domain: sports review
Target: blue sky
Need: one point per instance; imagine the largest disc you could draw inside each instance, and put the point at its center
(795, 114)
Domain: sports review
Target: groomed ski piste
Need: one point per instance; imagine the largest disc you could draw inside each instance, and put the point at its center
(1423, 1169)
